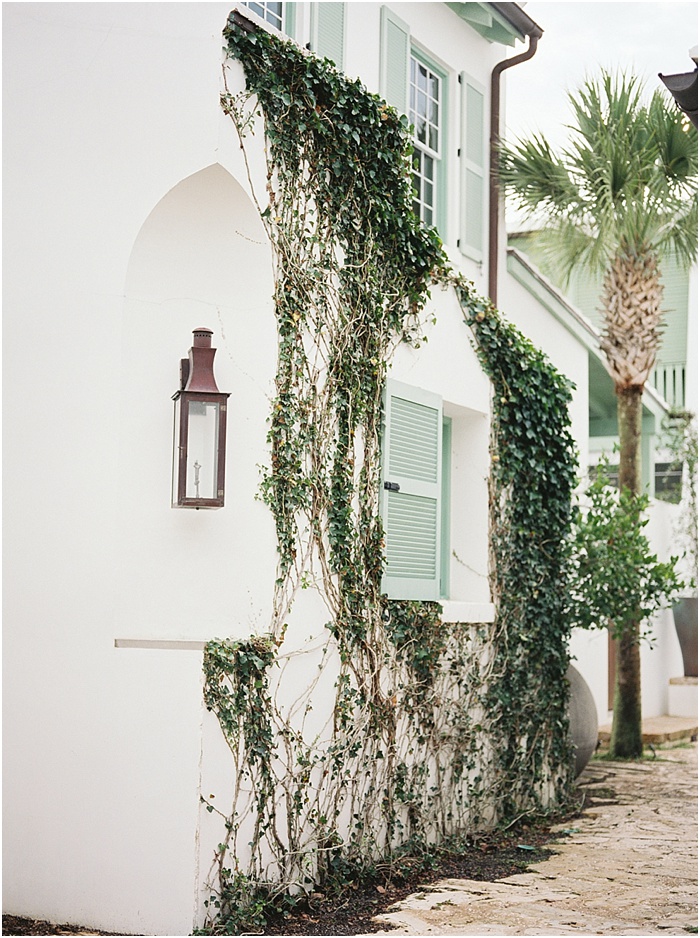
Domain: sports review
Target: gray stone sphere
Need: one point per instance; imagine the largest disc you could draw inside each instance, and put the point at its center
(583, 719)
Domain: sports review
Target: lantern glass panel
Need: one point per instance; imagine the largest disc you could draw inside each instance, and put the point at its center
(202, 449)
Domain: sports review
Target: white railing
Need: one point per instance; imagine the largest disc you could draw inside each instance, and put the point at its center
(668, 379)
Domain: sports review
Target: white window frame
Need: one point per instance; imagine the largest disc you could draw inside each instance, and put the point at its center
(424, 153)
(277, 22)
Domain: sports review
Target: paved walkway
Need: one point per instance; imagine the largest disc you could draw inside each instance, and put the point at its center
(629, 868)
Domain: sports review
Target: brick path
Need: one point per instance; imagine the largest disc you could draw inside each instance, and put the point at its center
(629, 868)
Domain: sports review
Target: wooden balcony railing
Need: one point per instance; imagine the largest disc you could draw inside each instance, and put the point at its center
(668, 379)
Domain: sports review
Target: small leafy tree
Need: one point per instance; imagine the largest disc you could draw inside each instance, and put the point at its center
(617, 582)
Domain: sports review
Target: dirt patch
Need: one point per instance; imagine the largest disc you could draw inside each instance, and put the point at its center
(16, 925)
(489, 859)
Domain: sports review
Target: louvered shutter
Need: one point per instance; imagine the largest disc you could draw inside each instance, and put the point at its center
(473, 168)
(394, 61)
(328, 31)
(290, 19)
(411, 504)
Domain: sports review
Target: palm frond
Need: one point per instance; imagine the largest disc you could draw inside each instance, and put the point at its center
(536, 178)
(626, 183)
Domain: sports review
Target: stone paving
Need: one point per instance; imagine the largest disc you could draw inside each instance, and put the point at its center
(627, 866)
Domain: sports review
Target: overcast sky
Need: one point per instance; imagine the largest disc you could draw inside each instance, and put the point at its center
(578, 39)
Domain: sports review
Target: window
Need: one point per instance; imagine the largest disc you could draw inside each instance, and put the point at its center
(668, 482)
(424, 113)
(272, 13)
(417, 87)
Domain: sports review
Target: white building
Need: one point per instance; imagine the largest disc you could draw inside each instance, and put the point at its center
(128, 224)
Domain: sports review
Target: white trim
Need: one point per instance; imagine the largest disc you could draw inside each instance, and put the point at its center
(453, 611)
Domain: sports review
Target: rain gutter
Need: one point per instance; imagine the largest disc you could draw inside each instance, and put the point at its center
(527, 27)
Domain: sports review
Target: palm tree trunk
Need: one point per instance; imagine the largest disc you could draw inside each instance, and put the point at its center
(632, 293)
(626, 737)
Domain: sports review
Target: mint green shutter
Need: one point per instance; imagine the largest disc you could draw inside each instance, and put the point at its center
(446, 486)
(394, 60)
(472, 168)
(289, 19)
(328, 31)
(411, 507)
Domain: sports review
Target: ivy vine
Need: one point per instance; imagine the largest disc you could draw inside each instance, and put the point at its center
(436, 729)
(532, 479)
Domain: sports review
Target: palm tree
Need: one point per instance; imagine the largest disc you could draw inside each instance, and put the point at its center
(619, 197)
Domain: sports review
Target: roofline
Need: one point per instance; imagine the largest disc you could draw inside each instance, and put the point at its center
(518, 18)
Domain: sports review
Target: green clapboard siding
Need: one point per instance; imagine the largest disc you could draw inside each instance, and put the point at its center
(585, 292)
(329, 31)
(674, 303)
(395, 50)
(412, 459)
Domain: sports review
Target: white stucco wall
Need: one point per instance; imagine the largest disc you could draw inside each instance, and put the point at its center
(128, 224)
(566, 352)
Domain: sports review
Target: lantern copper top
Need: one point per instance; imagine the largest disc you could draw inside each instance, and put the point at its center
(201, 376)
(202, 337)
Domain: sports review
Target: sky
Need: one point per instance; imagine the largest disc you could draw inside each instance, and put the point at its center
(579, 39)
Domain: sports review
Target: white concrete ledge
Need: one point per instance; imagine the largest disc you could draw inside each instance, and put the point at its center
(454, 611)
(170, 644)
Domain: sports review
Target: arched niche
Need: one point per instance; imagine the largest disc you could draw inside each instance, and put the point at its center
(201, 258)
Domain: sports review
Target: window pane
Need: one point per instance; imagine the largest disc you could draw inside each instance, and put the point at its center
(434, 112)
(434, 87)
(433, 138)
(202, 446)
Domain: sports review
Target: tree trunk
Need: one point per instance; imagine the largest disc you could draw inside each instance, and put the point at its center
(626, 737)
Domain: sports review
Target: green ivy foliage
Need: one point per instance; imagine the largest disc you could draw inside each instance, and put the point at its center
(437, 729)
(616, 581)
(532, 480)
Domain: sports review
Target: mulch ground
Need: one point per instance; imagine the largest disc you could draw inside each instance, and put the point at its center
(487, 859)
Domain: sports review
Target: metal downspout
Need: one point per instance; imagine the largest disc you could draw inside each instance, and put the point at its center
(494, 181)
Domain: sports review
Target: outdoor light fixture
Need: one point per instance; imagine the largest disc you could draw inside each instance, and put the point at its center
(684, 89)
(199, 452)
